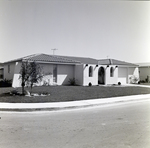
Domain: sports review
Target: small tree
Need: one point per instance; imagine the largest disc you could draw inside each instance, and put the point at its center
(35, 74)
(30, 74)
(24, 74)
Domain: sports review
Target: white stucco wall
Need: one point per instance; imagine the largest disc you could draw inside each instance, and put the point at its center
(86, 79)
(144, 73)
(9, 75)
(47, 71)
(16, 81)
(114, 78)
(45, 68)
(125, 74)
(79, 74)
(64, 73)
(94, 79)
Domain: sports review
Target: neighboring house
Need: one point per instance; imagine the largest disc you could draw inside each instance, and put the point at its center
(58, 70)
(1, 71)
(144, 72)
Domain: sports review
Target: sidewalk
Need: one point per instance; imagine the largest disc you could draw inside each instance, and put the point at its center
(24, 107)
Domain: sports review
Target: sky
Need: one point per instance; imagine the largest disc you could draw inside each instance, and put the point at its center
(85, 28)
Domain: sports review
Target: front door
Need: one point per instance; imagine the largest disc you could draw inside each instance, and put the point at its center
(101, 75)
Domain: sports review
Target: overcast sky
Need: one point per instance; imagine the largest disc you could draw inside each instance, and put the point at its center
(86, 28)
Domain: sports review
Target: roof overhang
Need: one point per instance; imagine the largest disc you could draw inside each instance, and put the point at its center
(57, 63)
(144, 66)
(127, 66)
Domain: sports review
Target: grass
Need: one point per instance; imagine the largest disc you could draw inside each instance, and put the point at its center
(72, 93)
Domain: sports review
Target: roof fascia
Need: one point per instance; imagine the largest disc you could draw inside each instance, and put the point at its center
(128, 65)
(13, 61)
(120, 65)
(144, 66)
(62, 63)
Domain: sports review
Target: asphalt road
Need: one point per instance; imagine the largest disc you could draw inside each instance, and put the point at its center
(122, 125)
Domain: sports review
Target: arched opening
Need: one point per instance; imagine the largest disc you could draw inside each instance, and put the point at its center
(101, 75)
(90, 71)
(111, 72)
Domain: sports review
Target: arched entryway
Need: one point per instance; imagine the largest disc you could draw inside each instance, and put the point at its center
(101, 75)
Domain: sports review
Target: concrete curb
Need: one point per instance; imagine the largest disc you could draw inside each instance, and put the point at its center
(54, 106)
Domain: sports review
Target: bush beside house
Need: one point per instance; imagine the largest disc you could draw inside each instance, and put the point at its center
(5, 83)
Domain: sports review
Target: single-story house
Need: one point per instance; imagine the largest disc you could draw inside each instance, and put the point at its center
(1, 71)
(58, 70)
(144, 72)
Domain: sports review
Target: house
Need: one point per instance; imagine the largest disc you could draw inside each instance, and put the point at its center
(144, 72)
(1, 71)
(58, 70)
(124, 72)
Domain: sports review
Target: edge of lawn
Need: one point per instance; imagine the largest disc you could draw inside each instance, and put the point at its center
(72, 93)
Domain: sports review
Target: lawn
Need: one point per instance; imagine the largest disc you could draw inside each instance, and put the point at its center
(72, 93)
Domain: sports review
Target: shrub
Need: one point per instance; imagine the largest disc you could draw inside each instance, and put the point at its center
(45, 83)
(72, 81)
(146, 80)
(43, 93)
(14, 92)
(6, 83)
(134, 79)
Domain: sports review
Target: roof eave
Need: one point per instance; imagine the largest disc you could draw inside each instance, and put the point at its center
(48, 62)
(128, 65)
(12, 61)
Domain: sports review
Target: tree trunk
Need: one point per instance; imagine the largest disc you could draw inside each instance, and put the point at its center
(23, 84)
(23, 90)
(31, 89)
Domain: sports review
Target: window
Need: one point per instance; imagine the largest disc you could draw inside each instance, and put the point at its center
(111, 72)
(90, 71)
(55, 73)
(8, 68)
(1, 76)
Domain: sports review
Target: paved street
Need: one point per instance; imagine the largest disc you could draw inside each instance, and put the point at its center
(121, 125)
